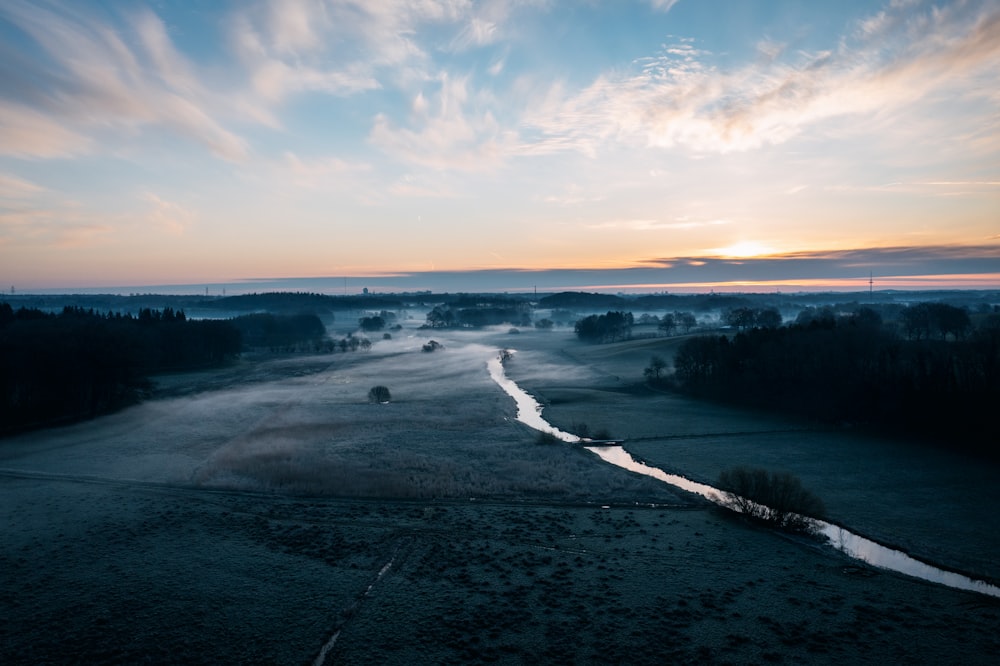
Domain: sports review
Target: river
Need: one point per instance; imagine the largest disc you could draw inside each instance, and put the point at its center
(529, 412)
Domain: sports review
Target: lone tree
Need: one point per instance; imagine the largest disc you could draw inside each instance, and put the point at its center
(774, 498)
(379, 394)
(654, 370)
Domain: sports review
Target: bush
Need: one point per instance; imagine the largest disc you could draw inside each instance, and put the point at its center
(379, 394)
(547, 438)
(774, 498)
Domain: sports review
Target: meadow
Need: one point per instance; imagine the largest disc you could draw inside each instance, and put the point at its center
(268, 512)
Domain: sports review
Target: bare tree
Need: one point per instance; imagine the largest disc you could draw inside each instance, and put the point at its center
(655, 368)
(775, 498)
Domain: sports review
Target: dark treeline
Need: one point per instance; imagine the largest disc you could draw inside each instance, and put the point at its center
(275, 332)
(295, 302)
(580, 300)
(609, 327)
(936, 376)
(80, 363)
(475, 314)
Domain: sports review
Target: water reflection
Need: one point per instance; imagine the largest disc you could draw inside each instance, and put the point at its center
(529, 412)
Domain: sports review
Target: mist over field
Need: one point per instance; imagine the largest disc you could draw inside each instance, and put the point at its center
(447, 432)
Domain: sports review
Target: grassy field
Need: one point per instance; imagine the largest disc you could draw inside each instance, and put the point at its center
(267, 513)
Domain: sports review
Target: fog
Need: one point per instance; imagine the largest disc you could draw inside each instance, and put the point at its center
(304, 425)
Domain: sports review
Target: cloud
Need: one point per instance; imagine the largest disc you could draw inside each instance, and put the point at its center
(25, 132)
(170, 216)
(477, 32)
(663, 5)
(343, 47)
(895, 62)
(57, 225)
(447, 134)
(93, 82)
(281, 61)
(922, 262)
(12, 187)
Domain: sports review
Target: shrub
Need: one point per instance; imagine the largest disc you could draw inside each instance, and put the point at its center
(774, 498)
(547, 438)
(379, 394)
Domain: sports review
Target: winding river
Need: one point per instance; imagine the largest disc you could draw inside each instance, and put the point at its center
(529, 412)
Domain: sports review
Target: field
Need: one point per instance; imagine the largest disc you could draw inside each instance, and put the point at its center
(268, 513)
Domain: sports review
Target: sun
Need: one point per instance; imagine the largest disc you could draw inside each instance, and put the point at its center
(743, 250)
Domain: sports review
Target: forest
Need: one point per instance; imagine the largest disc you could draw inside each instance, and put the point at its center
(933, 373)
(76, 364)
(79, 363)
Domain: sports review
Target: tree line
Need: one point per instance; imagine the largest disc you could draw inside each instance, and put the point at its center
(610, 327)
(855, 369)
(479, 315)
(280, 333)
(79, 363)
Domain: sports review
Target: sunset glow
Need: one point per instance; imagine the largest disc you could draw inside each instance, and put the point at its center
(170, 143)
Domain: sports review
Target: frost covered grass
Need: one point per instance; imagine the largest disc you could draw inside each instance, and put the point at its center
(309, 428)
(250, 515)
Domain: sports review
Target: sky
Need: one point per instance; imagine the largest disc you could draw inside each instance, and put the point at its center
(647, 144)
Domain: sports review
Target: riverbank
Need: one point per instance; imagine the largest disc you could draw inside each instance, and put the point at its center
(936, 505)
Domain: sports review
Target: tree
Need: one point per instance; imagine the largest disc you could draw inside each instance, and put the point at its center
(685, 320)
(667, 324)
(917, 320)
(655, 368)
(606, 327)
(816, 318)
(698, 359)
(950, 319)
(379, 394)
(774, 498)
(767, 318)
(739, 318)
(371, 324)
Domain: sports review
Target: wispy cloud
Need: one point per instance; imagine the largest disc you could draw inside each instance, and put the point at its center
(98, 78)
(12, 187)
(663, 5)
(446, 133)
(61, 225)
(26, 132)
(900, 57)
(320, 173)
(169, 216)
